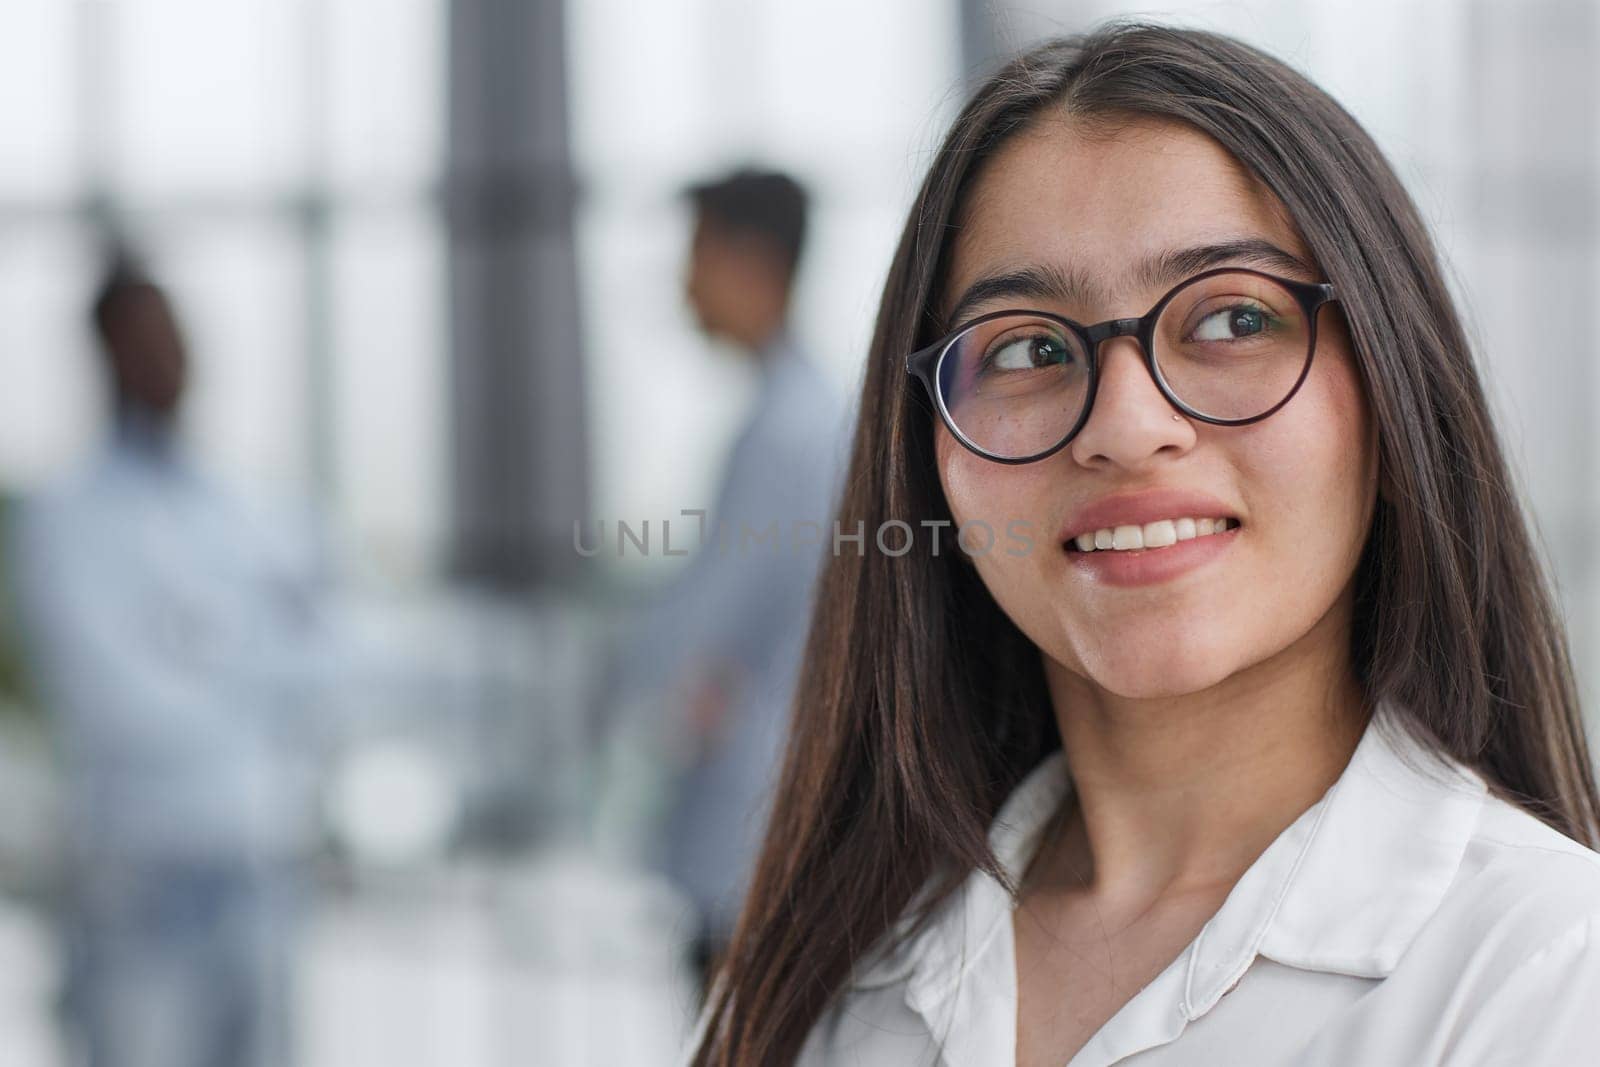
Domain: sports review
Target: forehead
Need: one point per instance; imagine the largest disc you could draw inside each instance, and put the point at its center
(1095, 203)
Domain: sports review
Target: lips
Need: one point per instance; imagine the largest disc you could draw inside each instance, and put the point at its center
(1141, 508)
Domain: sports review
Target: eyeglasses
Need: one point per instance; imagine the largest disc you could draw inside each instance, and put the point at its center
(1228, 346)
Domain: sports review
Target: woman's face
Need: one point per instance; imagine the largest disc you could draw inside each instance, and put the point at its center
(1300, 484)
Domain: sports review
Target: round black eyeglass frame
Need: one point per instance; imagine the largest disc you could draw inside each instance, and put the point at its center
(924, 363)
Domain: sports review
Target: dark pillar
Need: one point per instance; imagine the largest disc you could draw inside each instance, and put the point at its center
(520, 456)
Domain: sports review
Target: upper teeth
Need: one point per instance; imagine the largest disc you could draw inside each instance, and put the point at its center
(1156, 534)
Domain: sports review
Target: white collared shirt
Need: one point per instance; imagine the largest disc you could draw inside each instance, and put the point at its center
(1409, 917)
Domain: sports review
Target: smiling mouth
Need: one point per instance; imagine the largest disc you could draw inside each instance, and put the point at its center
(1158, 534)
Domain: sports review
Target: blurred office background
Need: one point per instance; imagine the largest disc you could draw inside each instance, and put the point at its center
(430, 254)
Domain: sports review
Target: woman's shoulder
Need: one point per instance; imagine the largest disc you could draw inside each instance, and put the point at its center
(1522, 883)
(928, 923)
(893, 958)
(1507, 970)
(869, 1023)
(1514, 844)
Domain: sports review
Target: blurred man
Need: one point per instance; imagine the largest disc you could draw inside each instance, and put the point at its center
(735, 622)
(175, 643)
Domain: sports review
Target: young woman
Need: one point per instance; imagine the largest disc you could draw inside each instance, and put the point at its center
(1195, 695)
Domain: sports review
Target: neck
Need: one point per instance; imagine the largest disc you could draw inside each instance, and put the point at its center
(757, 337)
(1183, 793)
(143, 428)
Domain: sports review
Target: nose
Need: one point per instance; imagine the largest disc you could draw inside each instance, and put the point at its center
(1132, 420)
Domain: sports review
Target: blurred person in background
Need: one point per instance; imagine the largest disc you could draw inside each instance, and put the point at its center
(726, 638)
(177, 646)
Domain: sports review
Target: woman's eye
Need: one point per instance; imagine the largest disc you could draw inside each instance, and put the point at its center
(1232, 324)
(1028, 353)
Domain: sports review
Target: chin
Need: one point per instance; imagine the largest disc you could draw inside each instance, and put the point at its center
(1152, 670)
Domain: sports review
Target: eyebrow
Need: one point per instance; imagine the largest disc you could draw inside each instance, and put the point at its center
(1164, 269)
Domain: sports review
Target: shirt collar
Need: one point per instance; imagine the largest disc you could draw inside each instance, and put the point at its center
(1344, 888)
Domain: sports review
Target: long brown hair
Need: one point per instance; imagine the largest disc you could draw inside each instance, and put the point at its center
(921, 705)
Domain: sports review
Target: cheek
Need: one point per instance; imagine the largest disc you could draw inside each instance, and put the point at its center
(1006, 516)
(963, 483)
(1309, 474)
(998, 495)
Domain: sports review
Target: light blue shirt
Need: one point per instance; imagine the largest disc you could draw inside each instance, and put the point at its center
(174, 641)
(749, 605)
